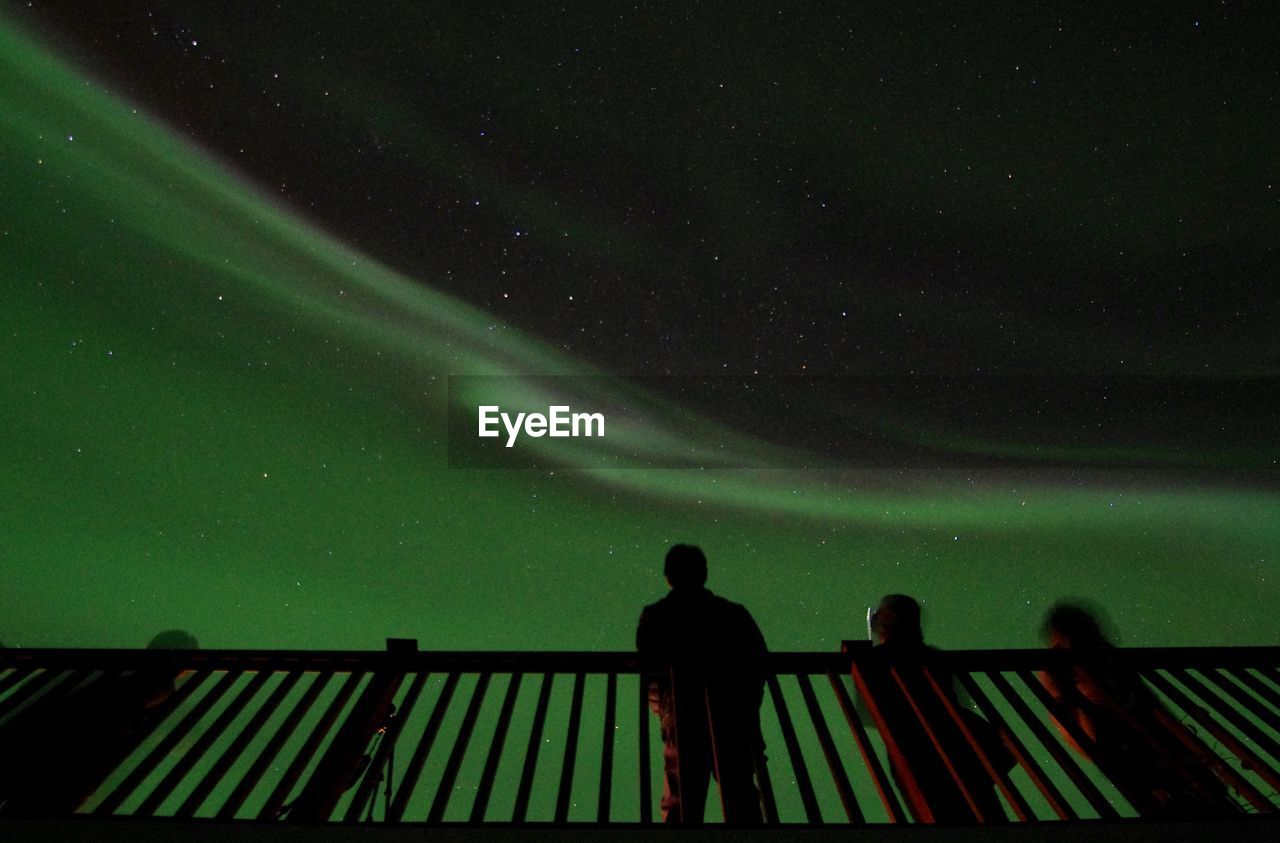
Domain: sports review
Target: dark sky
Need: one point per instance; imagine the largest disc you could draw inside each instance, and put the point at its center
(203, 429)
(851, 189)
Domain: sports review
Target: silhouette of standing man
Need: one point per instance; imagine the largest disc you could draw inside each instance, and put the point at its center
(704, 657)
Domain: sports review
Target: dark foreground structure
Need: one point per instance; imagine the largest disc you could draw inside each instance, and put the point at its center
(278, 745)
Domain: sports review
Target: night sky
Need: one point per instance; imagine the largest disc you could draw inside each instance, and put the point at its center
(244, 250)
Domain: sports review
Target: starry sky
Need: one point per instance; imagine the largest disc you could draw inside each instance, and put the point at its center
(247, 246)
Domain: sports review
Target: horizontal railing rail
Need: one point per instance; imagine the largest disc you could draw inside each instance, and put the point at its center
(435, 737)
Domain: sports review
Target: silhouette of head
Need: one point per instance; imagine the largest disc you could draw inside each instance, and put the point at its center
(1071, 626)
(897, 620)
(174, 639)
(686, 566)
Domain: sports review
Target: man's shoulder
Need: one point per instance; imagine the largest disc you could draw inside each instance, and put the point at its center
(659, 615)
(702, 603)
(657, 607)
(729, 607)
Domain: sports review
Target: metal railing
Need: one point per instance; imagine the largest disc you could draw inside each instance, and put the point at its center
(539, 737)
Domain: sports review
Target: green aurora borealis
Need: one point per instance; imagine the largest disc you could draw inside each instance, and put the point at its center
(217, 417)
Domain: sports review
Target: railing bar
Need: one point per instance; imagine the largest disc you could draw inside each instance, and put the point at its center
(798, 766)
(1237, 696)
(283, 733)
(52, 695)
(436, 661)
(1224, 708)
(219, 769)
(202, 744)
(1248, 758)
(531, 753)
(16, 675)
(921, 810)
(863, 741)
(1207, 756)
(83, 694)
(570, 749)
(156, 719)
(89, 694)
(999, 777)
(934, 739)
(767, 799)
(1259, 687)
(347, 752)
(646, 787)
(272, 807)
(1249, 704)
(601, 662)
(70, 685)
(1061, 756)
(838, 772)
(485, 788)
(606, 752)
(386, 745)
(413, 770)
(29, 690)
(451, 767)
(1050, 792)
(92, 677)
(728, 804)
(1071, 726)
(1152, 745)
(148, 764)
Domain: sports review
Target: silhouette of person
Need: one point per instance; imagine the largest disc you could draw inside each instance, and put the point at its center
(59, 750)
(901, 650)
(1130, 734)
(713, 651)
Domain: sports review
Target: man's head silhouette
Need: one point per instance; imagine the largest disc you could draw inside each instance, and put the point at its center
(898, 620)
(686, 566)
(1073, 626)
